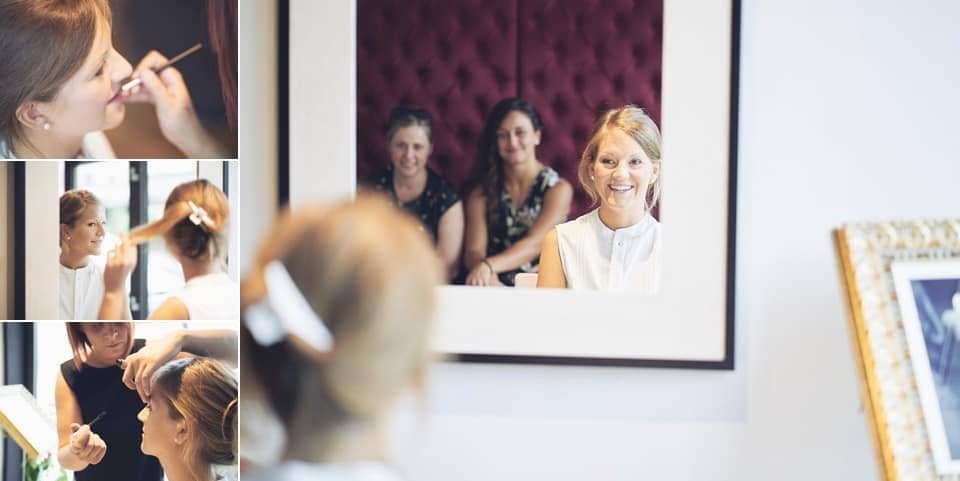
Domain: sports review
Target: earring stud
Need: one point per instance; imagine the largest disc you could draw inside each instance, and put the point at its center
(46, 126)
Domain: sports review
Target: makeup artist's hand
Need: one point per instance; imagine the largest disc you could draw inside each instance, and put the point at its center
(120, 263)
(138, 368)
(175, 113)
(86, 444)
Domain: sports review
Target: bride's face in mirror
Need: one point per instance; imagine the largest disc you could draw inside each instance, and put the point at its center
(622, 173)
(87, 233)
(87, 101)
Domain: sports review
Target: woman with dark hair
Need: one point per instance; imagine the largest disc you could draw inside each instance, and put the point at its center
(415, 187)
(513, 199)
(194, 226)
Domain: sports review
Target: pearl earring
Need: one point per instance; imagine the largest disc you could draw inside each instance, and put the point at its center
(46, 126)
(68, 237)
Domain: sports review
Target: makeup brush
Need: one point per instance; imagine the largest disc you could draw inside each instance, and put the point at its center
(129, 84)
(99, 417)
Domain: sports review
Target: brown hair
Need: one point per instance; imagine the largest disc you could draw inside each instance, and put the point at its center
(80, 344)
(409, 116)
(369, 272)
(222, 23)
(73, 203)
(42, 44)
(200, 242)
(202, 392)
(634, 122)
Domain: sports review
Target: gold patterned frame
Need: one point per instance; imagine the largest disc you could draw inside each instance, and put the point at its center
(865, 253)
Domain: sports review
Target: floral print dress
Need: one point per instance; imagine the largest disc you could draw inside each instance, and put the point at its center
(515, 223)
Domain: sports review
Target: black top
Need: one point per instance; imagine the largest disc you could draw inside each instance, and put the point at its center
(101, 389)
(437, 196)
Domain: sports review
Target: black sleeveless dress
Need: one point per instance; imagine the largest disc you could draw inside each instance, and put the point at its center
(101, 389)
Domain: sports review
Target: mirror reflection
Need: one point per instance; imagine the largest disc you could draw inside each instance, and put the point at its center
(523, 135)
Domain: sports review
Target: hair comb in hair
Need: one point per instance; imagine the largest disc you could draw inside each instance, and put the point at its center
(285, 312)
(198, 215)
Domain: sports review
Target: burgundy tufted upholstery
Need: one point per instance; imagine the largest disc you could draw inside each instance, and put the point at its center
(571, 58)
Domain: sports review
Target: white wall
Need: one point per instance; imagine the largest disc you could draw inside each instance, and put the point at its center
(848, 111)
(41, 211)
(257, 70)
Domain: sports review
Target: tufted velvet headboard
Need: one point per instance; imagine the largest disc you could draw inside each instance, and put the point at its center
(571, 58)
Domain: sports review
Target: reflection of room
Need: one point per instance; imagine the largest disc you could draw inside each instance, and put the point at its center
(837, 120)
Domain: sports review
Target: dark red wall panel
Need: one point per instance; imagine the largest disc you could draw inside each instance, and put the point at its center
(571, 58)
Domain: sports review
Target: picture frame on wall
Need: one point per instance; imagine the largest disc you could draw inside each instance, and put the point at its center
(689, 324)
(901, 280)
(928, 294)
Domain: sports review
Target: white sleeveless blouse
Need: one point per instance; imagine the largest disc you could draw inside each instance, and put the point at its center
(211, 297)
(594, 256)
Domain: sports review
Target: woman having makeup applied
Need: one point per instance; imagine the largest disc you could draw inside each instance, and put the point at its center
(513, 198)
(99, 396)
(60, 75)
(194, 226)
(336, 327)
(617, 245)
(82, 222)
(190, 420)
(415, 187)
(61, 82)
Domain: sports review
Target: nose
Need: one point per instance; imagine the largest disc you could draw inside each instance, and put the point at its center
(121, 67)
(621, 170)
(408, 153)
(100, 230)
(142, 415)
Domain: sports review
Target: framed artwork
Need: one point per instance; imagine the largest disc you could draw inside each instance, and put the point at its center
(688, 324)
(902, 281)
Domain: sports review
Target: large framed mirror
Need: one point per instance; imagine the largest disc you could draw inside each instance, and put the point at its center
(343, 66)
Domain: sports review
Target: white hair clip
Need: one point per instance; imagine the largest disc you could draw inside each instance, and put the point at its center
(285, 312)
(199, 215)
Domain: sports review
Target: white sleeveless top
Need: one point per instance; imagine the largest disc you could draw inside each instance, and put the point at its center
(211, 297)
(81, 291)
(594, 256)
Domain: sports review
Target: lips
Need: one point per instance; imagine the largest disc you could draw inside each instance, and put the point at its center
(620, 188)
(117, 97)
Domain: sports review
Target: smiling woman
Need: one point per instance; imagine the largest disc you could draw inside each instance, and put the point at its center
(616, 246)
(82, 223)
(60, 76)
